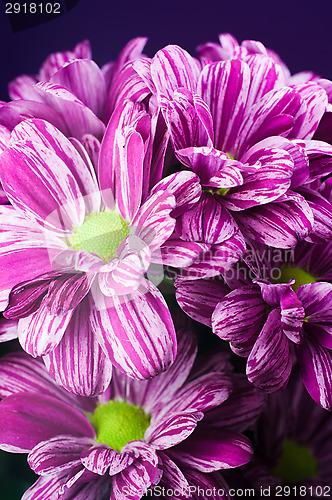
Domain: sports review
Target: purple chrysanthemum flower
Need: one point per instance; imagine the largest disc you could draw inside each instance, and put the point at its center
(74, 259)
(248, 138)
(271, 324)
(129, 439)
(293, 445)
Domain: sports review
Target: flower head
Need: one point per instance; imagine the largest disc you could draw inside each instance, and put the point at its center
(129, 439)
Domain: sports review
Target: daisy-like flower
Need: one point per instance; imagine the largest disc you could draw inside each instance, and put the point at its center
(74, 259)
(293, 445)
(129, 439)
(271, 324)
(248, 138)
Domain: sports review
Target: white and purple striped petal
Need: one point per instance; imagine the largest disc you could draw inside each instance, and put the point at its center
(137, 333)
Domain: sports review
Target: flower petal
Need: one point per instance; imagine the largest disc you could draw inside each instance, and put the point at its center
(316, 367)
(46, 134)
(78, 363)
(137, 333)
(85, 80)
(101, 459)
(269, 364)
(281, 224)
(211, 449)
(57, 454)
(42, 186)
(224, 87)
(29, 418)
(171, 430)
(42, 331)
(172, 67)
(79, 118)
(199, 298)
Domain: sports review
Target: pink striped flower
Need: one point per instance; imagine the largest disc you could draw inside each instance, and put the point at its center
(74, 259)
(133, 437)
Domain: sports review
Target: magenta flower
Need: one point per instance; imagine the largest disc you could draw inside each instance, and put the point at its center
(74, 259)
(271, 325)
(135, 435)
(250, 143)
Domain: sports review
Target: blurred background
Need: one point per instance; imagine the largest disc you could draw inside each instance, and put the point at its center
(300, 31)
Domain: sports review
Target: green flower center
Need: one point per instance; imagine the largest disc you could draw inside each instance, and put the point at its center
(296, 463)
(117, 423)
(300, 275)
(100, 234)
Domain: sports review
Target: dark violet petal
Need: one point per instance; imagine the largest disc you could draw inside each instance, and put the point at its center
(136, 333)
(22, 373)
(29, 418)
(85, 80)
(292, 316)
(173, 477)
(78, 363)
(207, 486)
(214, 167)
(57, 454)
(281, 224)
(172, 430)
(211, 449)
(320, 158)
(316, 299)
(240, 315)
(218, 259)
(172, 67)
(269, 363)
(101, 459)
(240, 410)
(199, 298)
(316, 367)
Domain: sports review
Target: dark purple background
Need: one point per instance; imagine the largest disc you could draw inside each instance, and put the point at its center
(300, 31)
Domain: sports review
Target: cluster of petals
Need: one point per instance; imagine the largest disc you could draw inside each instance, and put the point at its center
(206, 177)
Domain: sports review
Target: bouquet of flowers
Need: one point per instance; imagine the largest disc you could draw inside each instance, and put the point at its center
(149, 207)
